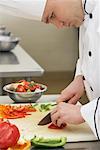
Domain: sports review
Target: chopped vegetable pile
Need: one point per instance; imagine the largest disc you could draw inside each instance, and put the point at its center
(14, 112)
(21, 111)
(26, 86)
(48, 142)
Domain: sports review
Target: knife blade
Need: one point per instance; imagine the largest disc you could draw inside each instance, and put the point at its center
(45, 120)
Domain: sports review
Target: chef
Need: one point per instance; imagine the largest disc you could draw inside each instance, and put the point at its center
(71, 13)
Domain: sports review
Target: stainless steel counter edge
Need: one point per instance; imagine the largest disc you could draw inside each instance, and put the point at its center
(26, 65)
(44, 98)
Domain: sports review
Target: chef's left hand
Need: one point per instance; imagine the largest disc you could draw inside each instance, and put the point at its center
(66, 113)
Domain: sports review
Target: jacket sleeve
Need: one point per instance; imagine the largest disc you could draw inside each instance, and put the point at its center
(88, 112)
(29, 9)
(78, 68)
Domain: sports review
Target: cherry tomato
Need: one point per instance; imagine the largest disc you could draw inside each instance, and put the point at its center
(32, 88)
(26, 86)
(24, 82)
(21, 81)
(38, 86)
(20, 88)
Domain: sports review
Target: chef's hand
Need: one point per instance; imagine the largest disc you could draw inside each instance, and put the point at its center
(73, 92)
(66, 113)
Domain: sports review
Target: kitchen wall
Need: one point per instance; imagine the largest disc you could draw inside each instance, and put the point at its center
(53, 49)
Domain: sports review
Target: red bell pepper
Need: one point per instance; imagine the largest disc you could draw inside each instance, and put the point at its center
(53, 126)
(9, 135)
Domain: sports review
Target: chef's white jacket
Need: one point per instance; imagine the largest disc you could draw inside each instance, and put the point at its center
(88, 64)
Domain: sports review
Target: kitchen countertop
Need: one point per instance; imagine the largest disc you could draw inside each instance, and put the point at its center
(94, 145)
(18, 63)
(44, 98)
(76, 146)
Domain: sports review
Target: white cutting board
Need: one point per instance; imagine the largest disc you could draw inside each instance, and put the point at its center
(28, 128)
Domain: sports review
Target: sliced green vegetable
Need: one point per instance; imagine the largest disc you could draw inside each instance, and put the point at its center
(35, 105)
(44, 107)
(48, 142)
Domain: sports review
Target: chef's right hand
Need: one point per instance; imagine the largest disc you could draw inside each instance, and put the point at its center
(73, 92)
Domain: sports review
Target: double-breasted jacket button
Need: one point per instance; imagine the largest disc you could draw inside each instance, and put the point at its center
(90, 53)
(91, 15)
(83, 78)
(91, 88)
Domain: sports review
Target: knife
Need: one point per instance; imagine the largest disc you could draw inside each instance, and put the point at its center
(47, 119)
